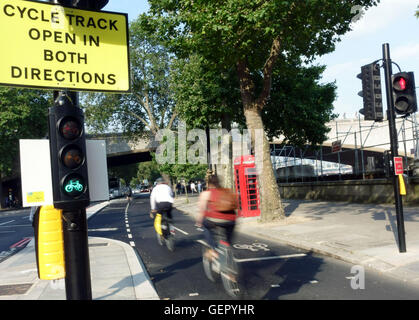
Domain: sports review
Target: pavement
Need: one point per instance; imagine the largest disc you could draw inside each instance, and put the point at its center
(360, 234)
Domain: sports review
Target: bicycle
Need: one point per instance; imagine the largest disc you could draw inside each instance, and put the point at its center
(164, 232)
(222, 265)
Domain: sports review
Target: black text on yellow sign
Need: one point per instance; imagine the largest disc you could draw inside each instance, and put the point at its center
(50, 46)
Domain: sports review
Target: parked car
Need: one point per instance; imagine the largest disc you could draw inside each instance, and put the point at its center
(145, 189)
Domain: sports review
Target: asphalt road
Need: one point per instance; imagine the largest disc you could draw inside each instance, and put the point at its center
(15, 231)
(270, 270)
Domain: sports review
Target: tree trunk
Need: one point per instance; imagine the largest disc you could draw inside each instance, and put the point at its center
(270, 199)
(227, 169)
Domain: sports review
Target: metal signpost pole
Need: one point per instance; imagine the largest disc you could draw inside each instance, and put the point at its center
(75, 235)
(391, 115)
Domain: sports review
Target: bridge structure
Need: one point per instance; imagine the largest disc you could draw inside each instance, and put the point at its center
(352, 142)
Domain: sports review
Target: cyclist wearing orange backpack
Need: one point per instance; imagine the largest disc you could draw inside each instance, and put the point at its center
(217, 208)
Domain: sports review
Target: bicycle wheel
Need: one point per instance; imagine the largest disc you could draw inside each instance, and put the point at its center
(230, 278)
(209, 268)
(170, 243)
(159, 239)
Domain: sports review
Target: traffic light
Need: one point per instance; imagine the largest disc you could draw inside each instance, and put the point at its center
(68, 153)
(84, 4)
(371, 92)
(404, 93)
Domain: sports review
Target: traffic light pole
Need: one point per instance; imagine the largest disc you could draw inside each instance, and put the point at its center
(75, 235)
(391, 115)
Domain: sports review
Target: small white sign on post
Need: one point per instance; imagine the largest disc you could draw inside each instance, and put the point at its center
(35, 168)
(35, 171)
(97, 170)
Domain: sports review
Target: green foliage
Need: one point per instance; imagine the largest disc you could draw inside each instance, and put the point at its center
(225, 32)
(149, 107)
(146, 170)
(23, 115)
(178, 170)
(299, 107)
(203, 95)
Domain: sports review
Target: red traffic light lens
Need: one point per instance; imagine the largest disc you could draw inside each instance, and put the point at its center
(400, 84)
(70, 128)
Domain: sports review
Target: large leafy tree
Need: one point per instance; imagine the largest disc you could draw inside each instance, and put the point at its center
(252, 36)
(299, 106)
(23, 115)
(149, 106)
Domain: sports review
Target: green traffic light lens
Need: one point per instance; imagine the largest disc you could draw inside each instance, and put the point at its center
(73, 185)
(401, 105)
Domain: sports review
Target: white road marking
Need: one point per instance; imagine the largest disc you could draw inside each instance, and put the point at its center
(127, 225)
(28, 271)
(180, 230)
(126, 208)
(17, 225)
(194, 294)
(2, 224)
(273, 257)
(104, 229)
(132, 243)
(130, 235)
(128, 230)
(252, 247)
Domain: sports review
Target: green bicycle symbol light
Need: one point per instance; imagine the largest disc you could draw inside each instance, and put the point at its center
(73, 185)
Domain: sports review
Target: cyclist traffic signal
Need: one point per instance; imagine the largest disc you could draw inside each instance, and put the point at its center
(371, 92)
(68, 153)
(404, 93)
(84, 4)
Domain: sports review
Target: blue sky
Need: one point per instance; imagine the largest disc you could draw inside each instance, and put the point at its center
(392, 21)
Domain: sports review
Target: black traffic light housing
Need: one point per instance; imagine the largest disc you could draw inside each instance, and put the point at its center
(84, 4)
(68, 153)
(404, 93)
(371, 92)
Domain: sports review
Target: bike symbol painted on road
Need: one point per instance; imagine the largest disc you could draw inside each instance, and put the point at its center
(252, 247)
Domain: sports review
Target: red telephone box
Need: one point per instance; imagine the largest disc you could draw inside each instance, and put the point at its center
(246, 186)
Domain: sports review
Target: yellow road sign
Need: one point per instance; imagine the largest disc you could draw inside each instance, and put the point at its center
(49, 46)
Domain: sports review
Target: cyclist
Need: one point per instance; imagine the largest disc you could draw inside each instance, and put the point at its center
(161, 200)
(129, 194)
(215, 210)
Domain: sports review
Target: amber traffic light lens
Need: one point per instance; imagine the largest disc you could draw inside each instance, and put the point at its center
(72, 157)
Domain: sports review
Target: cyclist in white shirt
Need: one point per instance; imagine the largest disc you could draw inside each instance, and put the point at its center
(161, 200)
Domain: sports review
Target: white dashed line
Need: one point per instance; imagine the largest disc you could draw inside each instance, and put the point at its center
(132, 244)
(2, 224)
(180, 230)
(129, 235)
(272, 258)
